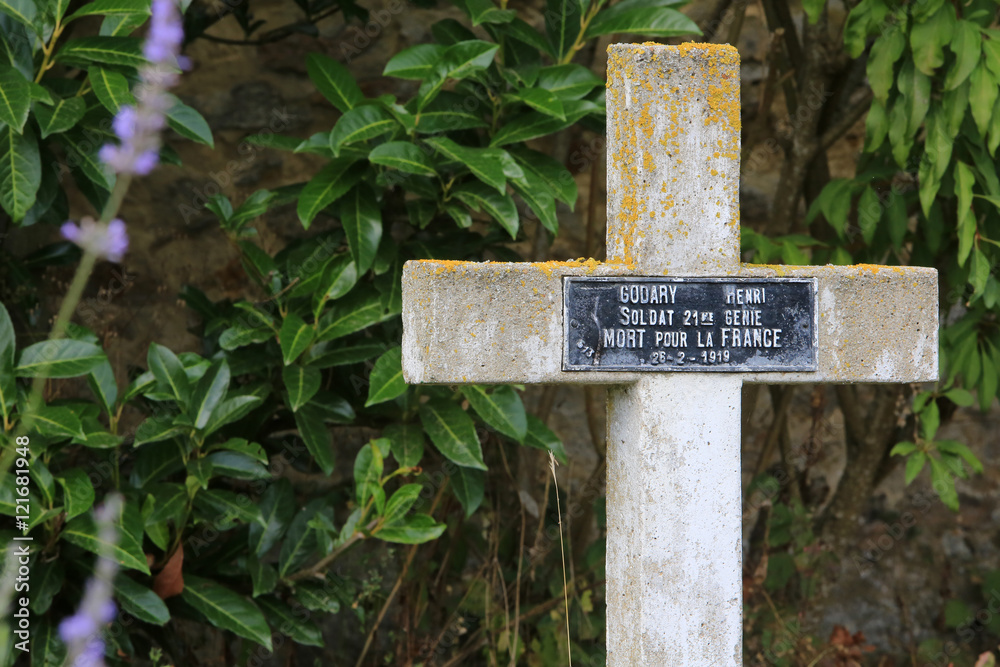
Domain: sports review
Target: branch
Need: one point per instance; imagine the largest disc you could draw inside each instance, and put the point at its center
(780, 404)
(595, 407)
(785, 443)
(322, 564)
(542, 608)
(713, 23)
(854, 421)
(759, 122)
(469, 588)
(385, 606)
(275, 35)
(846, 121)
(882, 414)
(811, 78)
(791, 35)
(869, 437)
(358, 535)
(781, 28)
(516, 585)
(739, 15)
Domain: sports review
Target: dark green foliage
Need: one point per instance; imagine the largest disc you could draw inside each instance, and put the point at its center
(201, 472)
(55, 122)
(935, 76)
(61, 86)
(926, 193)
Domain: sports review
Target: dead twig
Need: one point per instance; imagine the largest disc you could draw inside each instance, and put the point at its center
(520, 561)
(562, 552)
(385, 605)
(780, 400)
(477, 643)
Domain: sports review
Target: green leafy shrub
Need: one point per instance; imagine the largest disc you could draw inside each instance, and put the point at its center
(934, 75)
(445, 174)
(60, 93)
(222, 486)
(925, 193)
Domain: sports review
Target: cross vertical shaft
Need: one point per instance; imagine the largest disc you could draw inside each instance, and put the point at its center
(674, 522)
(673, 503)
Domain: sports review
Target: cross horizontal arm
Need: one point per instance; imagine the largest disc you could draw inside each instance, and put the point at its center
(500, 323)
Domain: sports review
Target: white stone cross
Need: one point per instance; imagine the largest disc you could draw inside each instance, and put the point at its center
(674, 584)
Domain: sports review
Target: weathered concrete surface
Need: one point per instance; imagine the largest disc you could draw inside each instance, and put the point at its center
(674, 158)
(674, 590)
(501, 323)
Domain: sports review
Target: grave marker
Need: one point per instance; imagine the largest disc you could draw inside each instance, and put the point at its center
(674, 589)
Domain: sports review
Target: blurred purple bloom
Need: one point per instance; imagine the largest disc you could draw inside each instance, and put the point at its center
(138, 127)
(109, 241)
(108, 611)
(81, 632)
(124, 123)
(146, 162)
(76, 627)
(91, 656)
(165, 32)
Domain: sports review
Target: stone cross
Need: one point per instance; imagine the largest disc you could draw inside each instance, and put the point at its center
(674, 580)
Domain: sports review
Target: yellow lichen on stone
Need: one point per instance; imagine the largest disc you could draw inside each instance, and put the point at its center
(446, 265)
(632, 207)
(647, 161)
(779, 269)
(650, 137)
(589, 264)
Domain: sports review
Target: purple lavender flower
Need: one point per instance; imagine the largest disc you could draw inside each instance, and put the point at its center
(81, 632)
(108, 611)
(91, 656)
(76, 627)
(138, 127)
(109, 241)
(165, 32)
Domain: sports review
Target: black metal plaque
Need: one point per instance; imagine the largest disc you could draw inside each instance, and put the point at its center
(689, 324)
